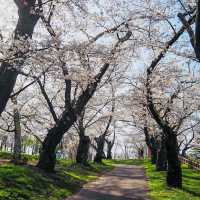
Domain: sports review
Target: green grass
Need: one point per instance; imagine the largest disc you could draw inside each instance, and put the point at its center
(28, 183)
(160, 191)
(125, 162)
(25, 157)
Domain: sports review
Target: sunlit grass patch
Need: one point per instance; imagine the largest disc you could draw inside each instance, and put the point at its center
(160, 191)
(126, 162)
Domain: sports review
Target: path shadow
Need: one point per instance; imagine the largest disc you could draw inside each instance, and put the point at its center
(94, 195)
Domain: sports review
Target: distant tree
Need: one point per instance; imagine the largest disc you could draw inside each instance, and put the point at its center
(17, 137)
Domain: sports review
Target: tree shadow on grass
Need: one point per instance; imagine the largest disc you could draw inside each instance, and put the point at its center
(27, 181)
(195, 193)
(22, 182)
(61, 179)
(192, 177)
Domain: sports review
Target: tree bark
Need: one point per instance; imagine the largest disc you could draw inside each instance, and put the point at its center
(183, 153)
(140, 153)
(23, 32)
(109, 150)
(47, 159)
(83, 150)
(100, 147)
(17, 139)
(84, 141)
(110, 145)
(153, 156)
(151, 143)
(174, 172)
(4, 142)
(197, 32)
(102, 138)
(161, 162)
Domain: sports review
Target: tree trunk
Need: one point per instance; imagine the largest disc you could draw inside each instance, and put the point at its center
(17, 139)
(47, 159)
(100, 147)
(109, 150)
(36, 148)
(140, 153)
(153, 155)
(23, 32)
(83, 150)
(174, 172)
(161, 162)
(1, 146)
(183, 153)
(8, 78)
(4, 141)
(151, 143)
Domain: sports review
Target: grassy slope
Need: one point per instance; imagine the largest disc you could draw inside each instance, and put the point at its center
(28, 183)
(159, 190)
(157, 185)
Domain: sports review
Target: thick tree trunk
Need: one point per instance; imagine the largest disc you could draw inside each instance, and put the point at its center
(84, 142)
(47, 159)
(174, 172)
(100, 147)
(161, 163)
(23, 32)
(83, 150)
(8, 78)
(17, 139)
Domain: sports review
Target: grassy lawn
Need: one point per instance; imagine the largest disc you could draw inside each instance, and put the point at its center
(26, 182)
(159, 190)
(25, 157)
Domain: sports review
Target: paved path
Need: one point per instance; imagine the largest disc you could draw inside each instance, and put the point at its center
(125, 182)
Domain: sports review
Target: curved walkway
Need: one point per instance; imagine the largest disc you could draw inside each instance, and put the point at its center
(125, 182)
